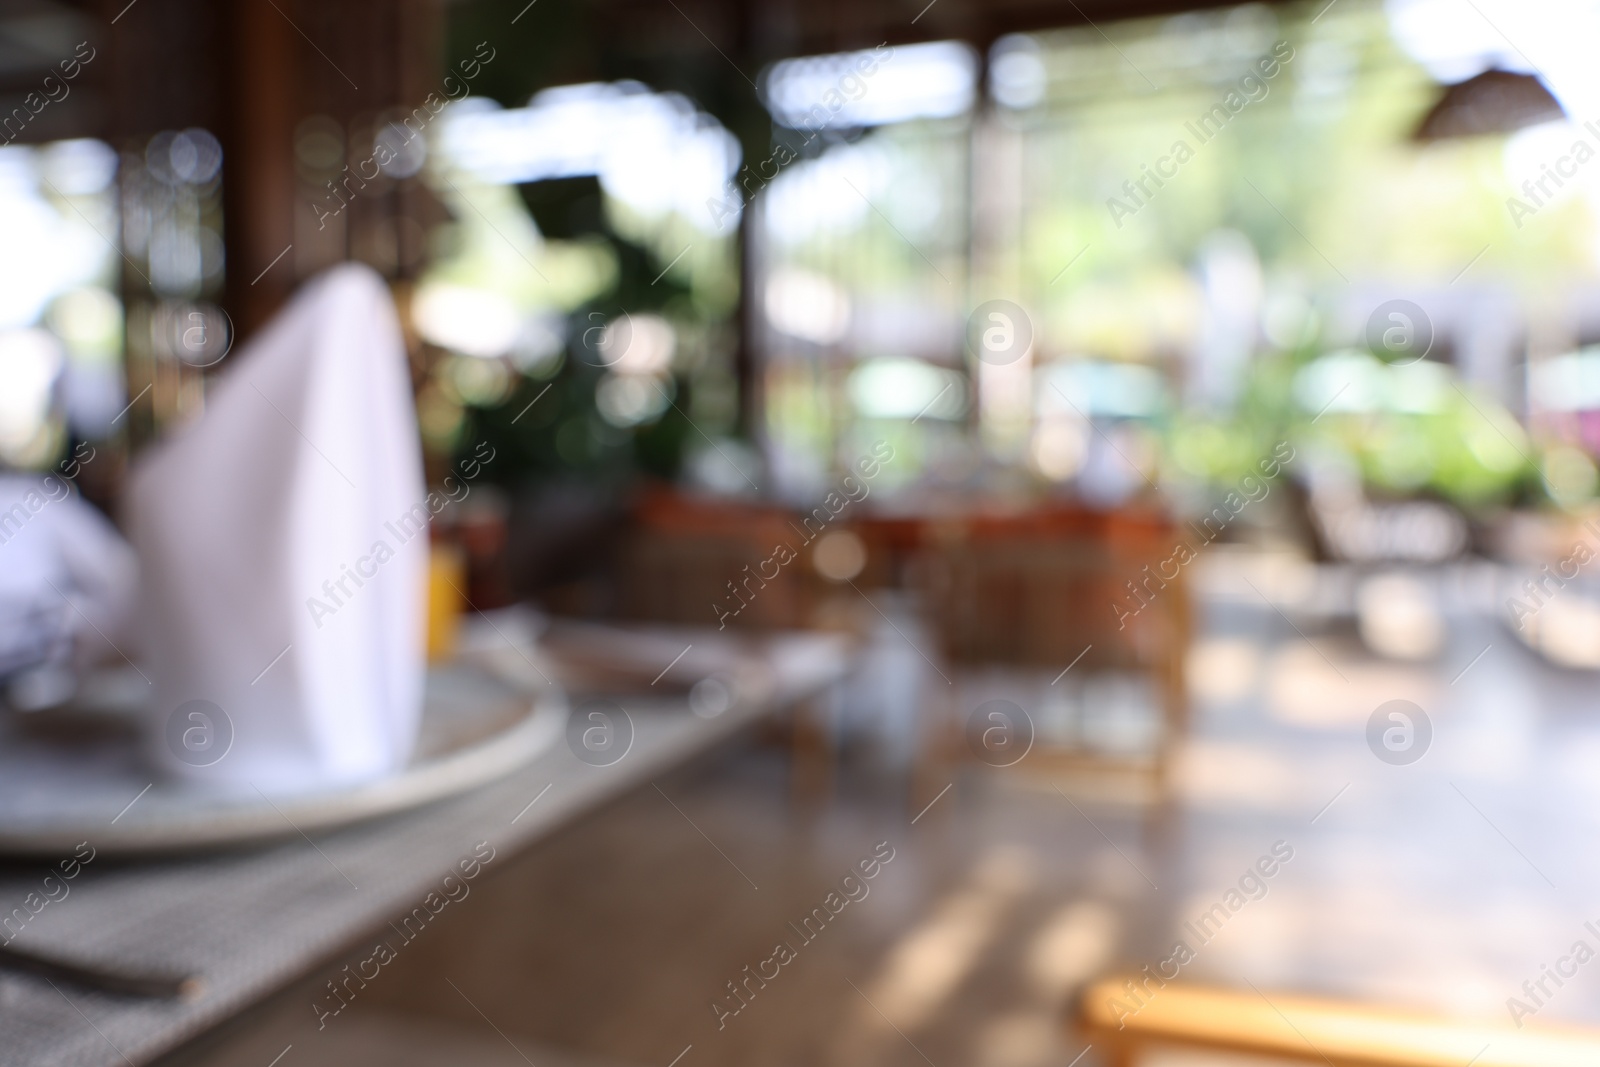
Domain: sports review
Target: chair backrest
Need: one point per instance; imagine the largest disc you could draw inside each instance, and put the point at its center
(1125, 1014)
(1038, 588)
(689, 561)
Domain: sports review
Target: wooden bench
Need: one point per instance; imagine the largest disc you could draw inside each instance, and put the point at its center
(1314, 1030)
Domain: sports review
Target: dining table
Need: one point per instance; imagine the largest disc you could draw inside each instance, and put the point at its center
(245, 922)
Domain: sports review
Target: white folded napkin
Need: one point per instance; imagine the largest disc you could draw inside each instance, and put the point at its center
(67, 582)
(283, 548)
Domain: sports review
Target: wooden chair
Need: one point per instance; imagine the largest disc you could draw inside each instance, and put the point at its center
(1312, 1030)
(1036, 590)
(702, 562)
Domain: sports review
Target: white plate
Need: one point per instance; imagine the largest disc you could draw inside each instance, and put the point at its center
(68, 776)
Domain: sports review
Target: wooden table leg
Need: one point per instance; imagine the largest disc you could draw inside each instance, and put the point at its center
(812, 751)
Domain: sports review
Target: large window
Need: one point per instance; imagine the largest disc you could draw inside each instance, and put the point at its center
(1216, 230)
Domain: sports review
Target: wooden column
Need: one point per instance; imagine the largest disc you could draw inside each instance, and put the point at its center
(258, 160)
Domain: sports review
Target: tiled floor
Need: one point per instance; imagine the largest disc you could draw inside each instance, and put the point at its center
(1440, 884)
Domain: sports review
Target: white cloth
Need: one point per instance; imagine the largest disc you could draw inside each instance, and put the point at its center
(66, 578)
(286, 520)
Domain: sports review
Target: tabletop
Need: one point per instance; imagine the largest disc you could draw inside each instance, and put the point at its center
(249, 922)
